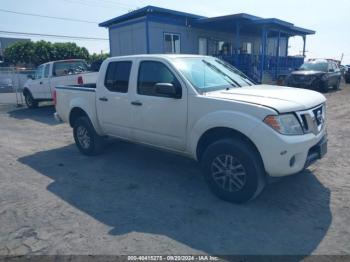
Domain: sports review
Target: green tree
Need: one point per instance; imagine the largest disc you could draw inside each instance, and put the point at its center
(35, 53)
(97, 57)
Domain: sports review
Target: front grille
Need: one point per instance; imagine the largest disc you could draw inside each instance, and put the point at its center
(301, 78)
(313, 120)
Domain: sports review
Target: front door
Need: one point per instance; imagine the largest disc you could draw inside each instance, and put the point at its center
(159, 119)
(37, 83)
(45, 83)
(113, 100)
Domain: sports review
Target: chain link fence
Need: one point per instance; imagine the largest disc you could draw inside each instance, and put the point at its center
(12, 80)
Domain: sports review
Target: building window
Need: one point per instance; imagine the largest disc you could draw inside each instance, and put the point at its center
(171, 43)
(117, 76)
(246, 48)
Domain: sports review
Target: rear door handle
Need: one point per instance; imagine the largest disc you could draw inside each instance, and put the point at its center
(136, 103)
(104, 99)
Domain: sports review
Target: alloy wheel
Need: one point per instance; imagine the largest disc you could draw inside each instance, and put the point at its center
(228, 173)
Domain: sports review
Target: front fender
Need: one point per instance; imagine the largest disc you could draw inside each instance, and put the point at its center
(238, 121)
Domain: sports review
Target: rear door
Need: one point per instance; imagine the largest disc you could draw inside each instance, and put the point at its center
(114, 109)
(332, 74)
(159, 120)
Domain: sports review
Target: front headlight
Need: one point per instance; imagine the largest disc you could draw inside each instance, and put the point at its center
(324, 77)
(286, 124)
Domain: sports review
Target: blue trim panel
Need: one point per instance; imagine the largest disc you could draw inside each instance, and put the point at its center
(76, 88)
(147, 35)
(136, 21)
(145, 10)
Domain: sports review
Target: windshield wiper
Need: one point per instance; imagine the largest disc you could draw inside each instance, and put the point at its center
(234, 83)
(237, 72)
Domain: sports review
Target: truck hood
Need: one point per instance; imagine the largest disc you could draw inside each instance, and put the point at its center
(282, 99)
(307, 72)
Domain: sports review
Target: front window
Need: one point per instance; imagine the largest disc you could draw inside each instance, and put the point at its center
(315, 67)
(152, 73)
(39, 72)
(69, 67)
(210, 74)
(171, 43)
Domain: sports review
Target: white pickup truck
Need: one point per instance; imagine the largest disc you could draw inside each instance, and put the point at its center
(39, 87)
(203, 108)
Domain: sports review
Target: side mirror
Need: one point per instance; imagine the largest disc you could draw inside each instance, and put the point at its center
(30, 77)
(167, 90)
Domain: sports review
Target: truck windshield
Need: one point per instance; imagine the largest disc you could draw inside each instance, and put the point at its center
(210, 74)
(69, 67)
(314, 66)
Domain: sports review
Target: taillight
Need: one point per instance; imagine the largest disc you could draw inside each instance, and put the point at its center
(80, 80)
(54, 97)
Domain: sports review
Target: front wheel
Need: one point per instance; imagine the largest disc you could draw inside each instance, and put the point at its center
(337, 85)
(87, 140)
(30, 101)
(233, 170)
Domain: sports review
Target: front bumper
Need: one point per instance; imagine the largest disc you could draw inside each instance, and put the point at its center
(317, 152)
(287, 155)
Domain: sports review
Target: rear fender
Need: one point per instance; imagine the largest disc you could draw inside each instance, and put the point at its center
(90, 109)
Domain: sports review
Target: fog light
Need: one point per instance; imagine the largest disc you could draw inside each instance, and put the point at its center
(292, 161)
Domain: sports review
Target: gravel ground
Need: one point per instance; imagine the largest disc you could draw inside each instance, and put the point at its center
(135, 200)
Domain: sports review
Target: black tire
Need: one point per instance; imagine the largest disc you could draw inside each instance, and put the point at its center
(347, 80)
(324, 87)
(87, 140)
(244, 155)
(30, 101)
(337, 85)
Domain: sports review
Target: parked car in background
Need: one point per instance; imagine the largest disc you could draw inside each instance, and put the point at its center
(342, 68)
(205, 109)
(39, 87)
(318, 74)
(347, 74)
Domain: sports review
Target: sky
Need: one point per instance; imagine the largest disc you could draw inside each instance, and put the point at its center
(330, 19)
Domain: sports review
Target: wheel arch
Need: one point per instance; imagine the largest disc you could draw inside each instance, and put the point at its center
(26, 91)
(216, 133)
(75, 113)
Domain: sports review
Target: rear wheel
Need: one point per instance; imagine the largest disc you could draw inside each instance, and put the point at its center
(87, 140)
(30, 101)
(233, 170)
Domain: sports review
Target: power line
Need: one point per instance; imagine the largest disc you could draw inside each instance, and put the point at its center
(46, 16)
(56, 36)
(92, 4)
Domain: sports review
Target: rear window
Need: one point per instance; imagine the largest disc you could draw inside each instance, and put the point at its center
(69, 67)
(117, 76)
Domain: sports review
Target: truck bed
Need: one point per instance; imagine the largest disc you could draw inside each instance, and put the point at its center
(69, 96)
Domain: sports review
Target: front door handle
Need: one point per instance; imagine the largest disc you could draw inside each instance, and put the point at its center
(41, 83)
(104, 99)
(136, 103)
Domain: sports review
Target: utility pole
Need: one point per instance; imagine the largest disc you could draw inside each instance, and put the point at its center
(341, 58)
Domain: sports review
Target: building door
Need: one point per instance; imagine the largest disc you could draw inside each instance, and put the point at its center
(202, 46)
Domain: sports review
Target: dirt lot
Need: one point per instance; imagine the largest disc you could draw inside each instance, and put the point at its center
(135, 200)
